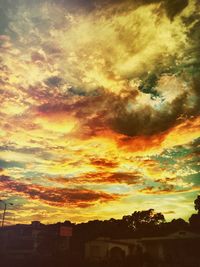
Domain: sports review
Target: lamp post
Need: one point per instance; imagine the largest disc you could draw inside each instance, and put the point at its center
(4, 211)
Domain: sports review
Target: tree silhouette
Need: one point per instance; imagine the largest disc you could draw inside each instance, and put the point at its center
(197, 204)
(142, 218)
(178, 224)
(194, 221)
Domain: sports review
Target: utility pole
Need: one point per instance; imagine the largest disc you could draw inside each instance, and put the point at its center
(4, 212)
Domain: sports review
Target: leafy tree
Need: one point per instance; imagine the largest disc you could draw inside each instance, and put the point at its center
(194, 220)
(197, 204)
(142, 218)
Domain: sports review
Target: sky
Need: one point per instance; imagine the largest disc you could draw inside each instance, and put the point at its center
(99, 108)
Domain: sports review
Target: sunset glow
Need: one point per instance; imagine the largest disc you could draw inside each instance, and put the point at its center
(99, 111)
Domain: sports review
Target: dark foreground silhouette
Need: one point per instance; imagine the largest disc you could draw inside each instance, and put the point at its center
(142, 239)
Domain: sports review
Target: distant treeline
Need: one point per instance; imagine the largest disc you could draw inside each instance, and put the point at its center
(138, 224)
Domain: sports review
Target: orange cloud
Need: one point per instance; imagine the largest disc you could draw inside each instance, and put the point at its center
(104, 163)
(101, 177)
(183, 133)
(55, 196)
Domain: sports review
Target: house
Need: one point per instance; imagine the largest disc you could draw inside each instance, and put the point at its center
(177, 249)
(180, 249)
(35, 240)
(104, 248)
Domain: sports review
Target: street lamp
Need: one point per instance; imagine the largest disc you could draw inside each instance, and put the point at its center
(4, 212)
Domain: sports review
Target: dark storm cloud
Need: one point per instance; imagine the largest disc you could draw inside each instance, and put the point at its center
(148, 121)
(110, 111)
(55, 196)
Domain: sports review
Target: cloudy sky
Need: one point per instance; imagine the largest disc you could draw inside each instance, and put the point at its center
(99, 112)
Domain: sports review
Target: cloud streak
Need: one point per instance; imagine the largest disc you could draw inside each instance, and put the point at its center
(55, 196)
